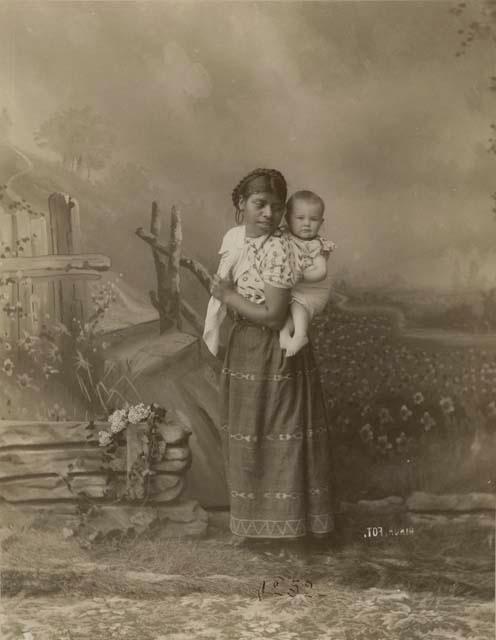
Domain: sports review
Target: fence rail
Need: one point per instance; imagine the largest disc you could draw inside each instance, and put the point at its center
(43, 272)
(45, 462)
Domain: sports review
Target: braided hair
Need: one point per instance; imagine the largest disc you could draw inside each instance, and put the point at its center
(275, 182)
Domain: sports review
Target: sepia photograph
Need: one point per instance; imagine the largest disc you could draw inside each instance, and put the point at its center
(247, 319)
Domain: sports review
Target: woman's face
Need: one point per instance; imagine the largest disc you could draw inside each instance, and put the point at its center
(262, 213)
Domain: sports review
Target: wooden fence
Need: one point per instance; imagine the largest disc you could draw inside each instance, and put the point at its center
(43, 273)
(44, 463)
(168, 259)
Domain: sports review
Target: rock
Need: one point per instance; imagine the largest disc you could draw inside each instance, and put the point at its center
(177, 453)
(185, 511)
(170, 529)
(174, 466)
(392, 504)
(185, 518)
(166, 487)
(472, 520)
(117, 520)
(142, 520)
(174, 433)
(420, 501)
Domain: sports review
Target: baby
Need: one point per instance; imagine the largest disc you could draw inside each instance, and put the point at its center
(304, 217)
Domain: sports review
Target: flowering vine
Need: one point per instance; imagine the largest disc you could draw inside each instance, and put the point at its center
(153, 447)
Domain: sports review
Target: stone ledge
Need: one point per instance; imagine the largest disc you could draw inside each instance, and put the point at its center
(392, 504)
(423, 502)
(185, 518)
(431, 520)
(420, 501)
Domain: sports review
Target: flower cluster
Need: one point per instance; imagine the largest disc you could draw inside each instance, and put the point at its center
(381, 391)
(121, 418)
(103, 297)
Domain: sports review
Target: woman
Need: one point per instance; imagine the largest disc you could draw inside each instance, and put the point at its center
(274, 429)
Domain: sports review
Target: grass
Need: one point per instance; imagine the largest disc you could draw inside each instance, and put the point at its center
(453, 560)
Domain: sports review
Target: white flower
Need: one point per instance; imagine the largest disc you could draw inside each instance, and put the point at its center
(428, 421)
(447, 405)
(8, 367)
(367, 433)
(118, 420)
(138, 413)
(405, 413)
(418, 398)
(104, 438)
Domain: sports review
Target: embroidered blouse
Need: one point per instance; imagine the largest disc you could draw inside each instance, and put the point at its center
(267, 259)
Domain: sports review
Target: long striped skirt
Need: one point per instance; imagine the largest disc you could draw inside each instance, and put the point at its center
(275, 438)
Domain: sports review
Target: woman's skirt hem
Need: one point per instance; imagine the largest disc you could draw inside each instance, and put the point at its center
(319, 524)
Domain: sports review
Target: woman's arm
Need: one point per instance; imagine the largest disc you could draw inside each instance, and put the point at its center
(271, 313)
(317, 272)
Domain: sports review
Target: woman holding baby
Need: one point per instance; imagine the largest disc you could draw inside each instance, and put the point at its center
(273, 423)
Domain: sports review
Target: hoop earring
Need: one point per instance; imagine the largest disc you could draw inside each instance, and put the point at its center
(239, 216)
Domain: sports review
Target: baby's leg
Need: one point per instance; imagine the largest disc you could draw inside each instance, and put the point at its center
(287, 331)
(301, 319)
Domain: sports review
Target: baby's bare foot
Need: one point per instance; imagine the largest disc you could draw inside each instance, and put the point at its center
(296, 343)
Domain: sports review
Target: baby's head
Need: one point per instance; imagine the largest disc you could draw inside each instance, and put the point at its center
(305, 214)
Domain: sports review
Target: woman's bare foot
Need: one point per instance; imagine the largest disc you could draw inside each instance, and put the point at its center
(295, 344)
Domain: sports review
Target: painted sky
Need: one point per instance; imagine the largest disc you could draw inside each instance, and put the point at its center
(363, 102)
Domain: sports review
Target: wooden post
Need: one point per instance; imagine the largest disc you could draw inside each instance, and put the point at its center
(136, 447)
(80, 299)
(40, 290)
(68, 298)
(196, 268)
(160, 298)
(171, 255)
(176, 239)
(167, 297)
(22, 225)
(8, 292)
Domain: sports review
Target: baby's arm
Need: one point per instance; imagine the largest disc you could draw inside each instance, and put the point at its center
(318, 270)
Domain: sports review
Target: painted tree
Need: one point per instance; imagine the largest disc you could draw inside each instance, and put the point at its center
(129, 182)
(79, 136)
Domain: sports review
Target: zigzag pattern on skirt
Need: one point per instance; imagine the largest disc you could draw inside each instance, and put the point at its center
(281, 528)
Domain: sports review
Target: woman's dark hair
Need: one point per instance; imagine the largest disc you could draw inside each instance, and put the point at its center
(257, 181)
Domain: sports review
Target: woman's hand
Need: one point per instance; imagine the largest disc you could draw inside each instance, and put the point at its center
(221, 289)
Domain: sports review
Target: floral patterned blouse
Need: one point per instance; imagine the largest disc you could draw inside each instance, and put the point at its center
(304, 252)
(267, 259)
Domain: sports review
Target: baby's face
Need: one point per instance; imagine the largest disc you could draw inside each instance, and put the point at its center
(305, 219)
